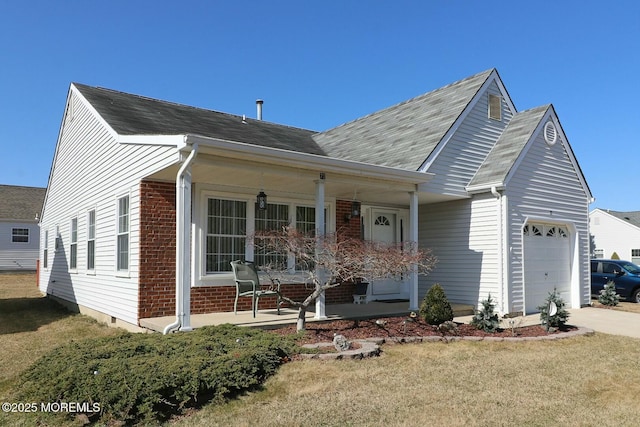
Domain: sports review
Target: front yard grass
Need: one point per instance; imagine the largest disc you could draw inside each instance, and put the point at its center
(588, 380)
(583, 381)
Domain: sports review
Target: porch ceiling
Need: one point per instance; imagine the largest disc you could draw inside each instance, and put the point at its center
(278, 180)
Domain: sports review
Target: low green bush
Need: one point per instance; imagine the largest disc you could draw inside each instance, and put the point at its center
(435, 308)
(485, 318)
(608, 295)
(150, 377)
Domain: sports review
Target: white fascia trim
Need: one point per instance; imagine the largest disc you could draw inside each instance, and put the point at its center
(308, 161)
(163, 140)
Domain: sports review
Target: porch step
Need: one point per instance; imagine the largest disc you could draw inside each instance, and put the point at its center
(462, 310)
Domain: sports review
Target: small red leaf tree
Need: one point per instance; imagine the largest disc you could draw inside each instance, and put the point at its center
(331, 260)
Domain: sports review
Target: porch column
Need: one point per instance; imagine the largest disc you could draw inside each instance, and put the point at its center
(320, 229)
(413, 238)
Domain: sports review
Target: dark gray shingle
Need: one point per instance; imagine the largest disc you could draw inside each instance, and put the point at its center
(403, 135)
(131, 114)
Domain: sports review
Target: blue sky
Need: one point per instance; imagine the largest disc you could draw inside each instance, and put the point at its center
(320, 64)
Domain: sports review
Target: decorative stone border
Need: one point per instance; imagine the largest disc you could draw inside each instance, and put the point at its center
(371, 347)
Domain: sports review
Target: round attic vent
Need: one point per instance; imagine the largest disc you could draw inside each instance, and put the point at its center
(550, 133)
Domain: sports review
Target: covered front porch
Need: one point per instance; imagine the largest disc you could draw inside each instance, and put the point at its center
(270, 318)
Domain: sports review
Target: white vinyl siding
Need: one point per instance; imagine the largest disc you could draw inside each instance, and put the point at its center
(109, 170)
(19, 255)
(546, 188)
(467, 148)
(612, 234)
(463, 235)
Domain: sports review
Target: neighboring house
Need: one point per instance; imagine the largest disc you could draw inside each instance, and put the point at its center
(20, 209)
(148, 200)
(615, 232)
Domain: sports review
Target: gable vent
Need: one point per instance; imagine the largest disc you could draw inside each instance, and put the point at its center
(495, 107)
(550, 133)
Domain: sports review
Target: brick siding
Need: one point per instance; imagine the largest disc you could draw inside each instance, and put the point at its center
(157, 261)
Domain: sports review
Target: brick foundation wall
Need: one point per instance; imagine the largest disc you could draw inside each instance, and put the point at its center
(157, 261)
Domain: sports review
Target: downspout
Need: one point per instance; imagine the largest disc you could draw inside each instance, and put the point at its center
(183, 192)
(501, 252)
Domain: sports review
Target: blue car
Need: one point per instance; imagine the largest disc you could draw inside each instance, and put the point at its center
(625, 274)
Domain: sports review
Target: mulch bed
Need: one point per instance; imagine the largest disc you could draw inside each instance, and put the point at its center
(397, 327)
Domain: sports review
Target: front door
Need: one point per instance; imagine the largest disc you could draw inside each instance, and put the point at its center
(384, 229)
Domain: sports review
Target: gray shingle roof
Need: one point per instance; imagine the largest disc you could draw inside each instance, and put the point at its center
(20, 203)
(131, 114)
(632, 217)
(403, 135)
(506, 150)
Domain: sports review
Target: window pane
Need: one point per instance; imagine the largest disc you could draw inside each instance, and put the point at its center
(73, 256)
(20, 235)
(272, 218)
(226, 234)
(91, 225)
(91, 250)
(123, 252)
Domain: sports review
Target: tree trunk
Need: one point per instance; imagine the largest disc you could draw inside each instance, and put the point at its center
(301, 323)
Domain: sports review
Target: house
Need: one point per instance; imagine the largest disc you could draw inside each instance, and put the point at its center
(148, 200)
(615, 232)
(20, 209)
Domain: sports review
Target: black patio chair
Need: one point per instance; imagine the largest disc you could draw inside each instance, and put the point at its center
(248, 285)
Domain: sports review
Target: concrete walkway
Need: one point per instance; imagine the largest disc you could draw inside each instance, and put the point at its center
(606, 321)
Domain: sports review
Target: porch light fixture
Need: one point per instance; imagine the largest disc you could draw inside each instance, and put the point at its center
(262, 200)
(355, 211)
(355, 208)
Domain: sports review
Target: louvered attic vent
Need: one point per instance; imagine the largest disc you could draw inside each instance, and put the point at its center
(495, 107)
(550, 133)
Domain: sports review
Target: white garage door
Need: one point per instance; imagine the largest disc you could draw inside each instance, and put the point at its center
(547, 264)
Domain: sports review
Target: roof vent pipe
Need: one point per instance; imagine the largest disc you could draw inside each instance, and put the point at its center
(259, 103)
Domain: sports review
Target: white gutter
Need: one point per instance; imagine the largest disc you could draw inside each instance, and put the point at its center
(183, 254)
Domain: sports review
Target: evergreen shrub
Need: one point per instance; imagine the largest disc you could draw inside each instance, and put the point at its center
(485, 318)
(435, 308)
(150, 377)
(559, 318)
(608, 295)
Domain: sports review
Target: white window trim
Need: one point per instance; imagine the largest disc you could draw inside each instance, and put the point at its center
(92, 271)
(199, 230)
(118, 272)
(45, 250)
(72, 243)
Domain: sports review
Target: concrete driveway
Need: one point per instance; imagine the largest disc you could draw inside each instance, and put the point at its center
(606, 321)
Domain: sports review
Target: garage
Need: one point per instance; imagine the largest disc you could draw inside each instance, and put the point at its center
(547, 263)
